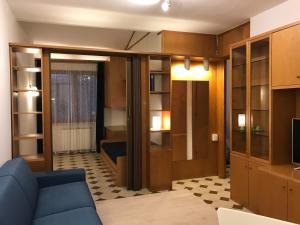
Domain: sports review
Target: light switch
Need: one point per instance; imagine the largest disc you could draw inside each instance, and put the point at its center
(215, 137)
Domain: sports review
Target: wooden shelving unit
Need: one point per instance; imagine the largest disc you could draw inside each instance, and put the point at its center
(238, 100)
(160, 146)
(259, 99)
(250, 117)
(28, 108)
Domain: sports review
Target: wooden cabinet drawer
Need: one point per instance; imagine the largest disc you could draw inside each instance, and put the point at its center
(285, 57)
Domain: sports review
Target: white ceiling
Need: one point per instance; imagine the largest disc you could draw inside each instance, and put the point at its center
(205, 16)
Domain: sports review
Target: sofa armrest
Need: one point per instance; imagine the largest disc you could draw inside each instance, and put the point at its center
(60, 177)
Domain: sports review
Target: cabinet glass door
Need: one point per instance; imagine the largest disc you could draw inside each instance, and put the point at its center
(259, 99)
(238, 101)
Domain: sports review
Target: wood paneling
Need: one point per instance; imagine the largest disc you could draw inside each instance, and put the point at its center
(221, 118)
(179, 107)
(200, 119)
(285, 57)
(160, 170)
(271, 195)
(115, 132)
(187, 169)
(179, 122)
(239, 179)
(283, 110)
(182, 43)
(234, 35)
(293, 201)
(179, 142)
(145, 120)
(115, 82)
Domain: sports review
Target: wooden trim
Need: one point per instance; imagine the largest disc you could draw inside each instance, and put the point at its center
(46, 107)
(234, 28)
(145, 119)
(221, 119)
(127, 45)
(248, 99)
(138, 41)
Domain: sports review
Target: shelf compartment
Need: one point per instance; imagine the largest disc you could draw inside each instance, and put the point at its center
(260, 97)
(159, 102)
(159, 83)
(28, 148)
(160, 140)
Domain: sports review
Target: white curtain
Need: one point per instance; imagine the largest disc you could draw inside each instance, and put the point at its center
(74, 101)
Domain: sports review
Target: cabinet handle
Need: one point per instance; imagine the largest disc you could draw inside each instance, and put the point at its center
(298, 77)
(291, 189)
(283, 187)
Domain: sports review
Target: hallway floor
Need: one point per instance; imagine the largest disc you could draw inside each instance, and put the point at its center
(212, 190)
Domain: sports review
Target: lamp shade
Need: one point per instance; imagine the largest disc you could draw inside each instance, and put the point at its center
(241, 120)
(156, 123)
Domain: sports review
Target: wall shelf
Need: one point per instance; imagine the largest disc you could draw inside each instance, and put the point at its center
(28, 136)
(24, 113)
(27, 69)
(160, 151)
(30, 126)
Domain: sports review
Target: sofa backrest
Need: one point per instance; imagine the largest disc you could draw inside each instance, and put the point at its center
(14, 206)
(19, 170)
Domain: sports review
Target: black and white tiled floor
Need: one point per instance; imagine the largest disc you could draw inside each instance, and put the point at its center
(212, 190)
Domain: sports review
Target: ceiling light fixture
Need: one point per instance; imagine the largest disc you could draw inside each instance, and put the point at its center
(145, 2)
(206, 64)
(187, 63)
(166, 5)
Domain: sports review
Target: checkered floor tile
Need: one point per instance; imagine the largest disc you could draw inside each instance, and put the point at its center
(212, 190)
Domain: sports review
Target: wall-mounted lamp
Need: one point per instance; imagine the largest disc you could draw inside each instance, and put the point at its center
(242, 121)
(206, 64)
(187, 63)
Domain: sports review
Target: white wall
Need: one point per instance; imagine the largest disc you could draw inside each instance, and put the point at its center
(151, 43)
(67, 35)
(280, 15)
(10, 31)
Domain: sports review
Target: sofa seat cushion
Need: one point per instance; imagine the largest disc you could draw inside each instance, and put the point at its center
(80, 216)
(60, 198)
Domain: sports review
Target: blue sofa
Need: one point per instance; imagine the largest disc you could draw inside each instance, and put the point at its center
(55, 198)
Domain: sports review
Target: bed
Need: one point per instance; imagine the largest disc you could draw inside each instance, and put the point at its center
(114, 153)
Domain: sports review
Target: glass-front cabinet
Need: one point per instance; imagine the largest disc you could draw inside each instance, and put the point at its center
(259, 98)
(250, 101)
(238, 99)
